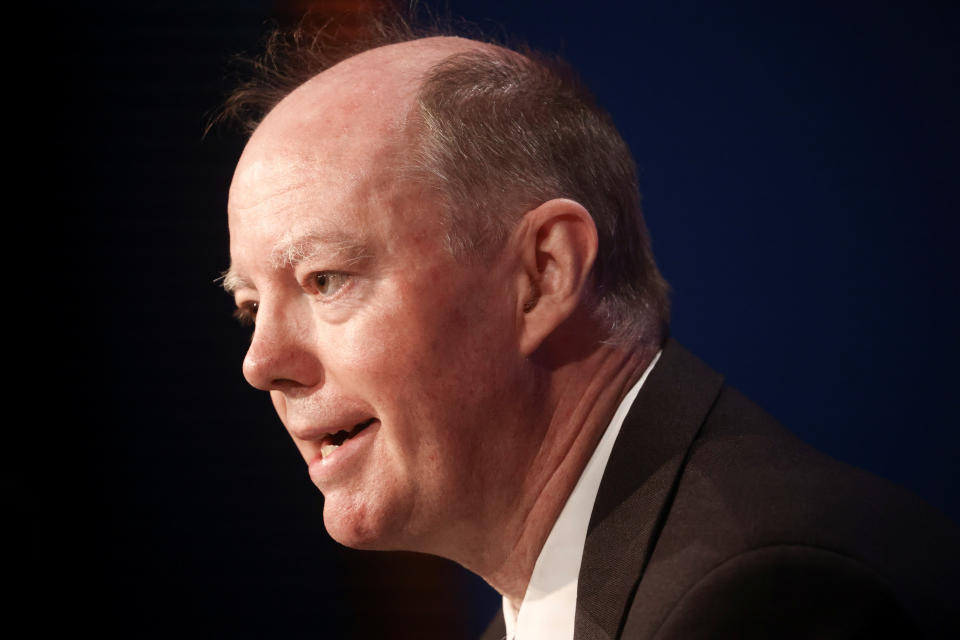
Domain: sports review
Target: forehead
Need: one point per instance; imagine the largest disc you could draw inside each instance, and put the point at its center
(318, 138)
(346, 116)
(320, 163)
(330, 157)
(285, 204)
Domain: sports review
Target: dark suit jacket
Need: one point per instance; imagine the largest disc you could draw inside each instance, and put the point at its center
(712, 521)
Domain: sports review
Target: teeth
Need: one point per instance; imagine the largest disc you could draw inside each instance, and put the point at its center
(327, 449)
(333, 441)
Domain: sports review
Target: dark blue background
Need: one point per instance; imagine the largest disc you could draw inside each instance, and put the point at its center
(799, 170)
(799, 166)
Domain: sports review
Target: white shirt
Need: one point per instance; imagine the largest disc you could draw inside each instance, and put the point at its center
(550, 602)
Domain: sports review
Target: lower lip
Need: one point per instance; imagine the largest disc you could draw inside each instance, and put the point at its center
(325, 470)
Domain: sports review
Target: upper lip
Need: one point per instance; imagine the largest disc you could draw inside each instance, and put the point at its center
(319, 432)
(339, 437)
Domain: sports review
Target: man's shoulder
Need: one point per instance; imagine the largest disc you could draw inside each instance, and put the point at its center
(759, 517)
(784, 591)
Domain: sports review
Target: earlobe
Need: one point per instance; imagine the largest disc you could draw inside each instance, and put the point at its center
(558, 246)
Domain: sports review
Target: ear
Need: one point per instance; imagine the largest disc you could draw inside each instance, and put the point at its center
(557, 244)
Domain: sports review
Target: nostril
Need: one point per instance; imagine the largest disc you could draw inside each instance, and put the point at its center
(284, 384)
(291, 388)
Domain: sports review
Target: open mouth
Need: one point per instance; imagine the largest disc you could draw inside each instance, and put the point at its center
(331, 442)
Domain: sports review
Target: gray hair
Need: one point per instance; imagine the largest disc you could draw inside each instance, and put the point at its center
(499, 133)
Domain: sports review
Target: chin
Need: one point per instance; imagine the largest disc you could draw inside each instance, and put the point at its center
(358, 527)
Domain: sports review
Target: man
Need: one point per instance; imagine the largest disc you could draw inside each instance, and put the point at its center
(461, 325)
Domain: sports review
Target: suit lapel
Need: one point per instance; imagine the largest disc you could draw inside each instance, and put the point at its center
(638, 486)
(497, 630)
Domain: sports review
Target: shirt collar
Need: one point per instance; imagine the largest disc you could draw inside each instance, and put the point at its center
(549, 604)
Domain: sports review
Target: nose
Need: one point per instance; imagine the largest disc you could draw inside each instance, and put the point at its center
(281, 354)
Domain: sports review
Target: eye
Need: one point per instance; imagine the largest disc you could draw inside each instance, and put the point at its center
(246, 313)
(327, 283)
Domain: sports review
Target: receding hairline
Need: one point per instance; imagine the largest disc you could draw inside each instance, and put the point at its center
(397, 69)
(413, 58)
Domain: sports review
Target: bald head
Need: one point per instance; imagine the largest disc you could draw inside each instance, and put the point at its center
(486, 133)
(375, 88)
(344, 117)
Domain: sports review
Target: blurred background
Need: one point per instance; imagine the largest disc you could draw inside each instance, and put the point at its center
(799, 166)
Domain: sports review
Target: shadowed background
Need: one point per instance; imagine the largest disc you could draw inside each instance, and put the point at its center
(799, 171)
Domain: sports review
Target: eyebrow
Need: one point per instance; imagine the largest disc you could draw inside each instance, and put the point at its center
(231, 281)
(289, 252)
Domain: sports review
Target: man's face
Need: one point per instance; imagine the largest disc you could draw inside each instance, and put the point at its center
(370, 335)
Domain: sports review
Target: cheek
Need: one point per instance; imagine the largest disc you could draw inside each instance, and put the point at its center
(426, 352)
(408, 348)
(366, 349)
(390, 334)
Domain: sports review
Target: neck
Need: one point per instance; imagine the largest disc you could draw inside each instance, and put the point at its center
(582, 397)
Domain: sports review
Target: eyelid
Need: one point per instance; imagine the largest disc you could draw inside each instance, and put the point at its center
(310, 284)
(246, 313)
